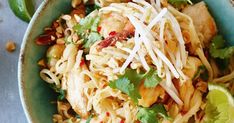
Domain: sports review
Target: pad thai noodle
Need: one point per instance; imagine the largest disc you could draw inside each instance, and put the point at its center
(121, 61)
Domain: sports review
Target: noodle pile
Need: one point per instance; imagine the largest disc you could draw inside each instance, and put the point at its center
(158, 37)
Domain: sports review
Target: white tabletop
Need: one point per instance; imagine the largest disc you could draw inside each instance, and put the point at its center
(11, 28)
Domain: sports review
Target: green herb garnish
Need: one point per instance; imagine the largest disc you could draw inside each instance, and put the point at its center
(200, 70)
(78, 116)
(61, 92)
(179, 2)
(90, 8)
(152, 114)
(124, 85)
(152, 79)
(89, 118)
(92, 38)
(128, 84)
(218, 49)
(87, 30)
(130, 81)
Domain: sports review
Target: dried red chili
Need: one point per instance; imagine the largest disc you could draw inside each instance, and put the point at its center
(112, 33)
(112, 39)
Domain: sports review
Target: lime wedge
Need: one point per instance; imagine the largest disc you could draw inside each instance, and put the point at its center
(220, 105)
(23, 9)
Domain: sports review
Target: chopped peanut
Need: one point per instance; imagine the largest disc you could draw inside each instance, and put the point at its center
(10, 46)
(42, 63)
(75, 3)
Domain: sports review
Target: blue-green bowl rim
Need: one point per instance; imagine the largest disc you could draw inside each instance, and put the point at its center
(21, 83)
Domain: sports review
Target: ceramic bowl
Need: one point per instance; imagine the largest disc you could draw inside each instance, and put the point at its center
(35, 94)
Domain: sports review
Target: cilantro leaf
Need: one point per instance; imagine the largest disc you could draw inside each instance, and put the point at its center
(89, 119)
(133, 76)
(61, 95)
(124, 85)
(77, 116)
(87, 30)
(95, 24)
(130, 81)
(150, 115)
(222, 64)
(90, 8)
(201, 72)
(179, 2)
(92, 38)
(152, 79)
(86, 24)
(61, 92)
(218, 49)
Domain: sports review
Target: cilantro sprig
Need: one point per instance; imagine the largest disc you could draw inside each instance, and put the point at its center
(218, 49)
(130, 81)
(87, 30)
(152, 79)
(151, 114)
(128, 84)
(90, 8)
(201, 73)
(179, 2)
(124, 85)
(61, 93)
(89, 118)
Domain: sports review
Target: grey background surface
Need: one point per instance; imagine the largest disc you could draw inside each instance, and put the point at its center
(11, 28)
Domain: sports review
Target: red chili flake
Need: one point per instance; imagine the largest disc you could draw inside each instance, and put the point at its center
(99, 28)
(82, 62)
(107, 114)
(122, 121)
(112, 33)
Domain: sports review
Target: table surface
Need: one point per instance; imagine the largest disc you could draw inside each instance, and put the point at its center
(11, 28)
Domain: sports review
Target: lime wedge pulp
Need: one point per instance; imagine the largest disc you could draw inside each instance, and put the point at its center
(223, 91)
(23, 9)
(220, 105)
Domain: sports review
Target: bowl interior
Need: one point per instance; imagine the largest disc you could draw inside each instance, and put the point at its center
(35, 94)
(223, 13)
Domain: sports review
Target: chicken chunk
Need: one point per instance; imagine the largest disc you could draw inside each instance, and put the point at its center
(150, 95)
(203, 21)
(114, 22)
(75, 93)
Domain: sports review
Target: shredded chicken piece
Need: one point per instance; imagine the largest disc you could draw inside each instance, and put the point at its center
(203, 21)
(75, 93)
